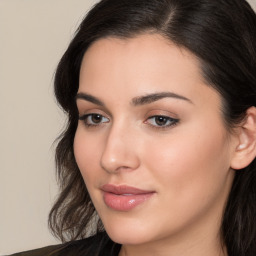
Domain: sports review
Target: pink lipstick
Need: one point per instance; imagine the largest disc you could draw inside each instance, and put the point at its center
(124, 198)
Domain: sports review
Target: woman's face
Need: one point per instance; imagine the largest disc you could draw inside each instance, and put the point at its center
(151, 143)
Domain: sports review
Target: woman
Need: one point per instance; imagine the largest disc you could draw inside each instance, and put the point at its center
(158, 157)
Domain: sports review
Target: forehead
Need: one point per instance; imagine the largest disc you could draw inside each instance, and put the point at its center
(144, 64)
(143, 49)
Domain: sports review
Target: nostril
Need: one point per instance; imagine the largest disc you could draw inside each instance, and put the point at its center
(120, 163)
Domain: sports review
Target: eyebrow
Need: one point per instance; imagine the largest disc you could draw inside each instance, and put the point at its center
(149, 98)
(90, 98)
(137, 101)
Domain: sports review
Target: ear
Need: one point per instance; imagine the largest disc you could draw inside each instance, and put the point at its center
(245, 151)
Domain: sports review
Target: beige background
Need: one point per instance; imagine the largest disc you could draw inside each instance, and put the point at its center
(34, 35)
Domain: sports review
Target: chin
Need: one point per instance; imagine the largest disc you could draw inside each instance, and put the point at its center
(131, 238)
(128, 232)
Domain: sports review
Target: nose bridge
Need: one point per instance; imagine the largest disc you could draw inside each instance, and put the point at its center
(119, 151)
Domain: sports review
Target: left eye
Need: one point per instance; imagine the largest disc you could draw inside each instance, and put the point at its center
(93, 119)
(162, 121)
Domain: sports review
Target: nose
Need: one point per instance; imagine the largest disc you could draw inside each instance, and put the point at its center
(119, 153)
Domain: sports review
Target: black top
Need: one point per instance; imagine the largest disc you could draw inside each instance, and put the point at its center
(98, 245)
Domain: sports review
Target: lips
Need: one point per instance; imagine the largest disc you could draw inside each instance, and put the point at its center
(124, 198)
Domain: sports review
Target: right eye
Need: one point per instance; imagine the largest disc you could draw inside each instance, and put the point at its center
(93, 119)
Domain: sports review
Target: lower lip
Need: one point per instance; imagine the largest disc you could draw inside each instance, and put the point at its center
(125, 202)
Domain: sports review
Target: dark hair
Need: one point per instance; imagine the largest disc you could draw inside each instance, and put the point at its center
(222, 34)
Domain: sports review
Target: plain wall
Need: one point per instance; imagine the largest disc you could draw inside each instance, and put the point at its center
(33, 36)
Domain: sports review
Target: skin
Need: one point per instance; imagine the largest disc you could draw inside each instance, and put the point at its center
(187, 164)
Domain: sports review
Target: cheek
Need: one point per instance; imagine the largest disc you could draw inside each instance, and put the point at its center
(192, 175)
(86, 150)
(190, 162)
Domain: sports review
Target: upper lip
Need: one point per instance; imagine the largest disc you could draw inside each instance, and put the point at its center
(124, 189)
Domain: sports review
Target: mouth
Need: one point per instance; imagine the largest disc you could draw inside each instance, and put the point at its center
(124, 198)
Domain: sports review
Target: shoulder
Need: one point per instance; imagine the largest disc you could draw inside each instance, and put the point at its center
(39, 252)
(99, 244)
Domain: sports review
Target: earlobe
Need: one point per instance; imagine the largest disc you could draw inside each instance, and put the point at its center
(245, 151)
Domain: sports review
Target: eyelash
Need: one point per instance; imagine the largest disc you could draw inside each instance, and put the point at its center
(172, 121)
(85, 118)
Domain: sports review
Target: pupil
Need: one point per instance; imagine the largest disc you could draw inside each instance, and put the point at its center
(161, 120)
(96, 118)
